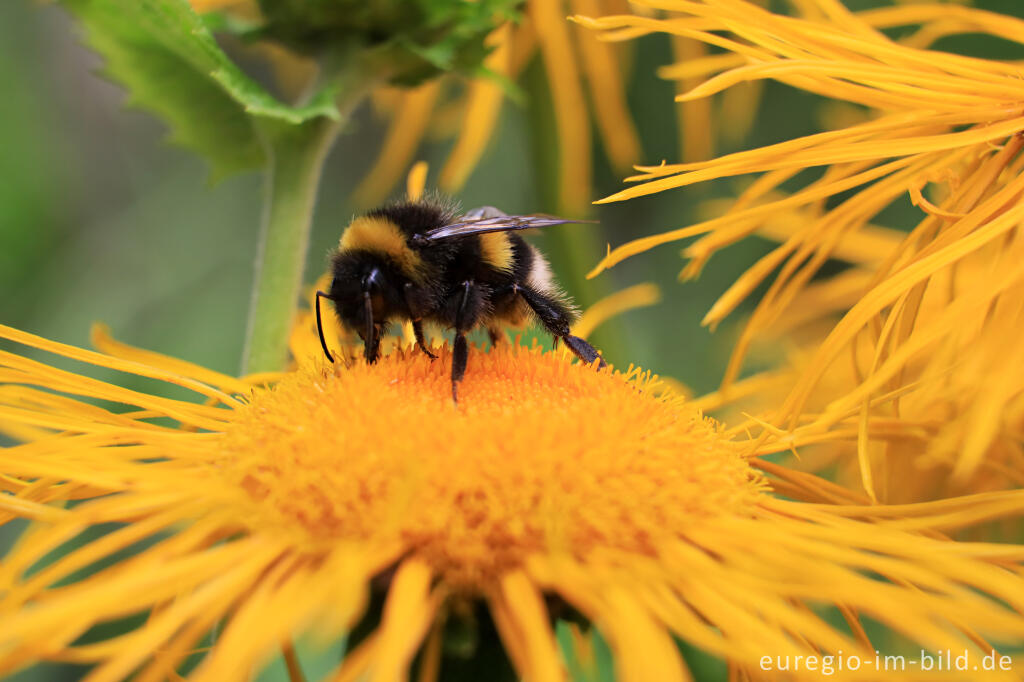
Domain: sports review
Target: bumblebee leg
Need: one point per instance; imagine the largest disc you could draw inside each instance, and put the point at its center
(417, 330)
(555, 319)
(466, 317)
(371, 335)
(373, 350)
(320, 325)
(417, 309)
(460, 356)
(583, 350)
(500, 298)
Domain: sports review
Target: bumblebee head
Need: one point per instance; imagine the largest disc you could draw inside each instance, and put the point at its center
(366, 291)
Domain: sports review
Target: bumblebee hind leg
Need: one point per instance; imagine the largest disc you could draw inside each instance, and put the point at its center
(583, 350)
(555, 319)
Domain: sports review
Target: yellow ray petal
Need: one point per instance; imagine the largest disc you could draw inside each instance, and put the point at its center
(608, 94)
(403, 137)
(219, 592)
(416, 180)
(571, 120)
(407, 615)
(630, 298)
(694, 117)
(526, 625)
(643, 649)
(101, 360)
(481, 114)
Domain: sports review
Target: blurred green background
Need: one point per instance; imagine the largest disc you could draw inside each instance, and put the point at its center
(101, 220)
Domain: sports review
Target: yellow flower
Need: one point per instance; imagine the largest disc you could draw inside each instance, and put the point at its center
(282, 505)
(918, 321)
(948, 404)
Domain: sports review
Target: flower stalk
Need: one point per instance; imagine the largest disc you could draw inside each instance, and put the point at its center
(295, 158)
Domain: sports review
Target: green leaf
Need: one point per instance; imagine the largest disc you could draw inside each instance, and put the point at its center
(415, 39)
(161, 51)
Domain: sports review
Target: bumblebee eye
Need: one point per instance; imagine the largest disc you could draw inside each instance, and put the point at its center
(371, 280)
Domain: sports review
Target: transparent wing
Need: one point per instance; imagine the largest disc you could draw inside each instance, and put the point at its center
(490, 219)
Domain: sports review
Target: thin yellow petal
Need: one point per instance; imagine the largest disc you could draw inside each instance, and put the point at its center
(101, 360)
(408, 612)
(483, 105)
(403, 137)
(526, 612)
(696, 131)
(630, 298)
(416, 180)
(571, 119)
(608, 94)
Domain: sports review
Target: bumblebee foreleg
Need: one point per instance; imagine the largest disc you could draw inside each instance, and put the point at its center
(320, 324)
(555, 318)
(417, 330)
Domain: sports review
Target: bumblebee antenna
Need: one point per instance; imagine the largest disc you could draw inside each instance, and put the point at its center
(320, 325)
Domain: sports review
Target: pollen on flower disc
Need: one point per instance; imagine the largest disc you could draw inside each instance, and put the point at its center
(539, 455)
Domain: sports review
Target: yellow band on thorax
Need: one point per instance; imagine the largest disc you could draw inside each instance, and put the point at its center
(380, 235)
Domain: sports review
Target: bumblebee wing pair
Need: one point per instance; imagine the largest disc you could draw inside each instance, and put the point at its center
(476, 278)
(485, 220)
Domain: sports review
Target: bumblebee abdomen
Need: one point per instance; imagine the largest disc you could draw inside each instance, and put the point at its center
(538, 274)
(496, 250)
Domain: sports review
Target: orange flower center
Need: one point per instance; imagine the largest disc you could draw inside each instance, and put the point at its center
(539, 455)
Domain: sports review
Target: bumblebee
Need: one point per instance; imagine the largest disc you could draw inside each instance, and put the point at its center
(419, 261)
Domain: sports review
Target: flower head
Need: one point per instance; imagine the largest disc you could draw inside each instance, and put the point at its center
(275, 509)
(928, 340)
(477, 488)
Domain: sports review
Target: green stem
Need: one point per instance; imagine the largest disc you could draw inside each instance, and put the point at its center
(295, 156)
